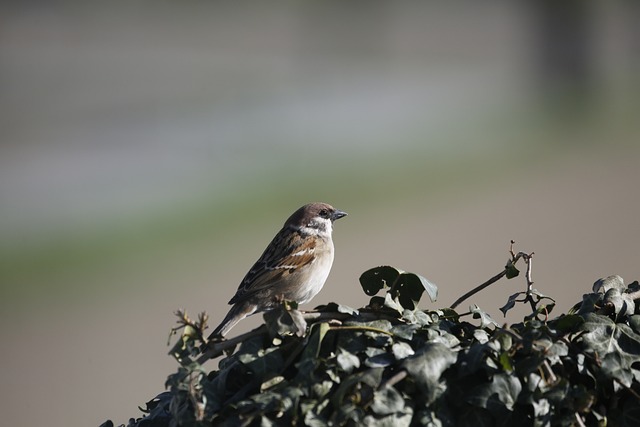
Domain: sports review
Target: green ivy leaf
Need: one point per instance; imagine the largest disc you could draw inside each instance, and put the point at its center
(312, 349)
(266, 361)
(511, 270)
(409, 287)
(505, 361)
(504, 386)
(511, 302)
(634, 322)
(332, 307)
(604, 336)
(615, 367)
(622, 303)
(485, 319)
(347, 361)
(349, 389)
(387, 401)
(402, 350)
(611, 282)
(281, 321)
(567, 323)
(427, 366)
(375, 279)
(391, 303)
(589, 303)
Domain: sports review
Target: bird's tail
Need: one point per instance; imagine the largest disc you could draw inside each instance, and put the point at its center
(238, 312)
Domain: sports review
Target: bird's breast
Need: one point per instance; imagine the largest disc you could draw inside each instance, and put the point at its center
(312, 279)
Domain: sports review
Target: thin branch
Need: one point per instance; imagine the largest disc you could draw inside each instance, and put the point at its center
(579, 420)
(514, 259)
(395, 379)
(479, 288)
(529, 261)
(629, 389)
(190, 327)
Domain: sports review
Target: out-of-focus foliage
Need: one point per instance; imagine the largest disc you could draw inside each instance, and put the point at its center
(392, 364)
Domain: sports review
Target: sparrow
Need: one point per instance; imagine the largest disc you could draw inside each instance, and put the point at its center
(293, 267)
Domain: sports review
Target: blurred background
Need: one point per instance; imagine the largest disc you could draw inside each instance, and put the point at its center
(150, 151)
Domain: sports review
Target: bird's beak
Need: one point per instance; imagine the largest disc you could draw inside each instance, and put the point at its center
(337, 215)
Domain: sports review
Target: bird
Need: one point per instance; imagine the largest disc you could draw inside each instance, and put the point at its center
(293, 267)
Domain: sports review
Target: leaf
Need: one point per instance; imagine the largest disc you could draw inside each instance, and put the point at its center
(557, 350)
(405, 331)
(375, 279)
(508, 388)
(505, 361)
(387, 401)
(264, 362)
(614, 367)
(604, 336)
(332, 307)
(402, 350)
(315, 340)
(371, 378)
(622, 303)
(390, 302)
(541, 408)
(607, 283)
(485, 319)
(281, 321)
(511, 302)
(634, 322)
(511, 270)
(448, 313)
(409, 287)
(376, 303)
(427, 366)
(504, 386)
(589, 303)
(567, 323)
(347, 361)
(381, 360)
(481, 335)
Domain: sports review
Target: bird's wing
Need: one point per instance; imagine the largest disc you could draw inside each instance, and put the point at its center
(287, 252)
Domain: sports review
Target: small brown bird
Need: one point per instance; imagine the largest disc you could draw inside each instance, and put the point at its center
(294, 266)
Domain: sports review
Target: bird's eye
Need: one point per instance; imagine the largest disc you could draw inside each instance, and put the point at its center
(324, 213)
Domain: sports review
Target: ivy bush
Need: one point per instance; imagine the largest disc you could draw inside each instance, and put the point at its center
(393, 364)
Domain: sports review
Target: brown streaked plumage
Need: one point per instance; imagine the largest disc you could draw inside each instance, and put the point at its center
(293, 267)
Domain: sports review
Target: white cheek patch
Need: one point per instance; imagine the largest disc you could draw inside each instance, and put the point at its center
(318, 227)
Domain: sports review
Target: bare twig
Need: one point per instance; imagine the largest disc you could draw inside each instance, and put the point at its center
(579, 420)
(528, 275)
(479, 288)
(514, 259)
(629, 389)
(190, 327)
(550, 375)
(395, 379)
